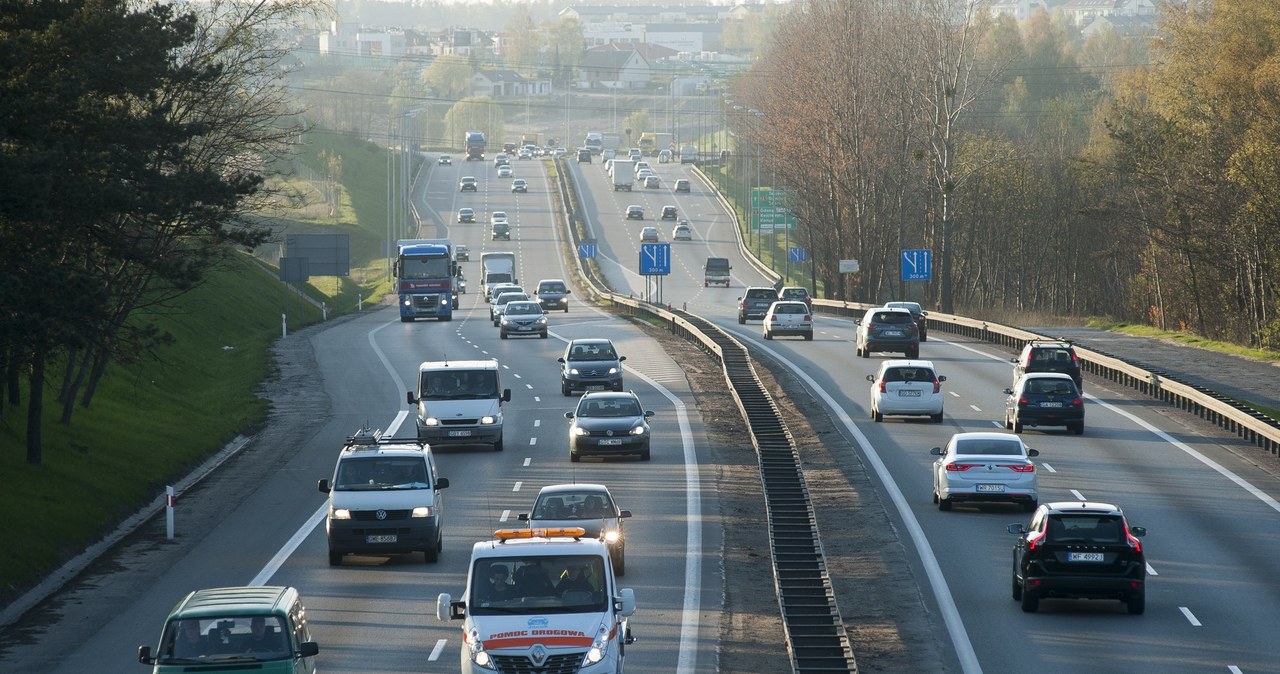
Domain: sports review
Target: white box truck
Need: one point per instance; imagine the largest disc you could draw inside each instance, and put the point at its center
(624, 174)
(497, 267)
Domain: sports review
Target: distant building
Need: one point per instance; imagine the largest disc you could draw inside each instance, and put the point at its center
(500, 83)
(1020, 10)
(613, 69)
(347, 39)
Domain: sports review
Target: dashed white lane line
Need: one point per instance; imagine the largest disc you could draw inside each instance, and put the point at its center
(537, 423)
(1191, 617)
(1078, 495)
(533, 441)
(975, 408)
(517, 487)
(435, 652)
(505, 515)
(528, 460)
(1048, 467)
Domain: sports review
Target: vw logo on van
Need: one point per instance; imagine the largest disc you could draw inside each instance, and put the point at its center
(381, 514)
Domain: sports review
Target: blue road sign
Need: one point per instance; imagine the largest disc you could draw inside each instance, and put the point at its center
(798, 254)
(655, 259)
(917, 265)
(587, 250)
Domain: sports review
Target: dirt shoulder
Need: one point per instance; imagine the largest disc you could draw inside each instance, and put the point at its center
(885, 616)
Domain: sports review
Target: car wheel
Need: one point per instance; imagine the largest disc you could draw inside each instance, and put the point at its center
(808, 336)
(766, 335)
(1017, 588)
(1137, 602)
(496, 323)
(1007, 424)
(335, 558)
(644, 454)
(543, 335)
(742, 320)
(944, 504)
(574, 457)
(1030, 602)
(619, 563)
(617, 388)
(431, 555)
(1078, 429)
(406, 319)
(566, 308)
(937, 418)
(913, 354)
(1017, 425)
(564, 389)
(876, 416)
(498, 446)
(1030, 506)
(502, 335)
(866, 353)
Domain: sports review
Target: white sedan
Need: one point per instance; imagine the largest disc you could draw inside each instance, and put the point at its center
(908, 388)
(788, 318)
(985, 467)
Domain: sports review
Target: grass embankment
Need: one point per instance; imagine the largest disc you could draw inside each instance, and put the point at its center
(153, 421)
(148, 423)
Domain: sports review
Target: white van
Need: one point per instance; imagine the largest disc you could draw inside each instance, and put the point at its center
(541, 600)
(384, 498)
(460, 402)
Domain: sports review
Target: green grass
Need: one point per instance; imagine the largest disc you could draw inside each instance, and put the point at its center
(148, 425)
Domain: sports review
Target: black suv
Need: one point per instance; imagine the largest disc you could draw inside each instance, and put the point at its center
(1079, 550)
(754, 304)
(1048, 355)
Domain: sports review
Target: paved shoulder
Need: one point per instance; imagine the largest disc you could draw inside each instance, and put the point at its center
(1243, 378)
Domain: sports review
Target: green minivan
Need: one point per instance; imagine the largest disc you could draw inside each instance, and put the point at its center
(212, 629)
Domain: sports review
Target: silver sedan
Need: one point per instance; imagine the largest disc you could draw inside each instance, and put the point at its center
(985, 467)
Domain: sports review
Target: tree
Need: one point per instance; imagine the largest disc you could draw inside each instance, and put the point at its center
(449, 76)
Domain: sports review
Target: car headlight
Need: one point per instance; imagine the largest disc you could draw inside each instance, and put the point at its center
(340, 514)
(488, 421)
(542, 321)
(613, 370)
(579, 431)
(444, 299)
(573, 371)
(421, 511)
(431, 421)
(599, 647)
(640, 430)
(406, 300)
(476, 648)
(611, 536)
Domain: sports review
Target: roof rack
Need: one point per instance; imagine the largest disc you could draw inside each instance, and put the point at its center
(366, 438)
(1049, 340)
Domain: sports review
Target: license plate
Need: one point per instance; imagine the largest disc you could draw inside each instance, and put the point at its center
(991, 488)
(1084, 556)
(892, 333)
(611, 441)
(459, 434)
(385, 538)
(595, 387)
(909, 393)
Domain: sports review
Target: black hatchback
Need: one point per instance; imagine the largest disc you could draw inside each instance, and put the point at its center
(1079, 550)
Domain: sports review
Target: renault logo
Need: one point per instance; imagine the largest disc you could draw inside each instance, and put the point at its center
(538, 655)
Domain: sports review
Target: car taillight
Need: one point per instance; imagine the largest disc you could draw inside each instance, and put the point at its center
(1020, 467)
(1034, 540)
(937, 386)
(882, 389)
(1022, 401)
(1078, 402)
(773, 318)
(1133, 542)
(959, 467)
(807, 317)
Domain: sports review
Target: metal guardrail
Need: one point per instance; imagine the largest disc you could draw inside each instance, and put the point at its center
(1247, 423)
(815, 634)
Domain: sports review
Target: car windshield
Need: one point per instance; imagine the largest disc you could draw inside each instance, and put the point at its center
(424, 267)
(1051, 356)
(224, 638)
(612, 407)
(522, 309)
(379, 473)
(592, 352)
(909, 374)
(451, 384)
(989, 447)
(551, 288)
(510, 297)
(538, 585)
(573, 506)
(1085, 529)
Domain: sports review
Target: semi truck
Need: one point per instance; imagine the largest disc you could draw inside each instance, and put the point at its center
(425, 278)
(497, 267)
(474, 141)
(623, 173)
(531, 140)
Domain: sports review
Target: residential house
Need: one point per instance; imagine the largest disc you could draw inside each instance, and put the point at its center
(503, 83)
(1020, 10)
(613, 69)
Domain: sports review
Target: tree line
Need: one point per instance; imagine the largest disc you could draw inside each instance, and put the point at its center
(1132, 177)
(135, 141)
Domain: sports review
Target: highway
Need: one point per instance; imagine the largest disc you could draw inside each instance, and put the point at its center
(1212, 596)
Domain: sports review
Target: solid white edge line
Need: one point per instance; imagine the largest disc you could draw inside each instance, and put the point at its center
(282, 555)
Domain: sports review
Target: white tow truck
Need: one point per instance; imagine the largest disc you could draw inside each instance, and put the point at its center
(542, 599)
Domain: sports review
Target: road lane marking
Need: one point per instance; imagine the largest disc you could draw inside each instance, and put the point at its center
(537, 423)
(528, 460)
(1191, 617)
(1151, 571)
(517, 487)
(533, 441)
(504, 516)
(435, 652)
(1078, 495)
(1048, 468)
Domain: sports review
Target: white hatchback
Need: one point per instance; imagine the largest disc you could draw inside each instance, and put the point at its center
(788, 318)
(907, 388)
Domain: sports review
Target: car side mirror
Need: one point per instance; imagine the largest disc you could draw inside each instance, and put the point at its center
(624, 514)
(648, 413)
(568, 415)
(506, 395)
(871, 377)
(1033, 452)
(323, 486)
(560, 360)
(522, 517)
(1008, 391)
(442, 483)
(1138, 532)
(942, 377)
(308, 649)
(1016, 529)
(936, 451)
(144, 655)
(621, 358)
(408, 396)
(1013, 360)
